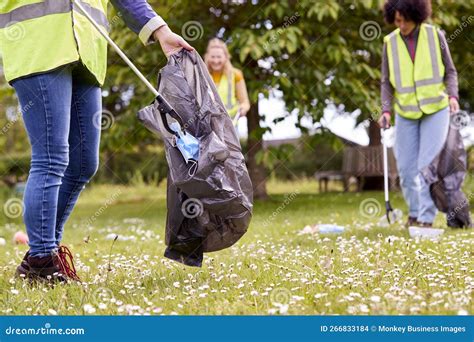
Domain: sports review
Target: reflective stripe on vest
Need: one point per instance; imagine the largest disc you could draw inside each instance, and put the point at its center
(47, 7)
(422, 102)
(419, 88)
(226, 90)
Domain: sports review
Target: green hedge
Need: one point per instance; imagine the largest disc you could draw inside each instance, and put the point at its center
(320, 152)
(132, 167)
(14, 168)
(121, 167)
(309, 156)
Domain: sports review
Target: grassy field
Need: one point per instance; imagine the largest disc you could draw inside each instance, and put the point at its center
(272, 270)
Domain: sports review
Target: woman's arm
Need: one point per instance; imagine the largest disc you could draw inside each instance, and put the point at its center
(451, 75)
(139, 17)
(150, 27)
(242, 97)
(386, 91)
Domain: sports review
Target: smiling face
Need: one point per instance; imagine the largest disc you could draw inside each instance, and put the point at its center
(217, 59)
(405, 26)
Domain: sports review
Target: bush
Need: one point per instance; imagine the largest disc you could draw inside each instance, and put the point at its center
(319, 152)
(132, 167)
(120, 168)
(14, 168)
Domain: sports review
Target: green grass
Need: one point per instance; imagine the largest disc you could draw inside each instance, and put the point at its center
(272, 270)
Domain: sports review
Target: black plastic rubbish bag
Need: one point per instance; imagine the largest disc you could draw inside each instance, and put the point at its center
(209, 202)
(446, 175)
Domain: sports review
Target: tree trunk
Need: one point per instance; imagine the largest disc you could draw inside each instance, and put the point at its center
(374, 134)
(373, 183)
(257, 172)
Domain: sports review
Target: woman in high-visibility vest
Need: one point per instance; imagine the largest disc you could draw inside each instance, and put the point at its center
(229, 81)
(419, 83)
(56, 61)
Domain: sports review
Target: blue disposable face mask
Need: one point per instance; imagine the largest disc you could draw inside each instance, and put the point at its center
(187, 145)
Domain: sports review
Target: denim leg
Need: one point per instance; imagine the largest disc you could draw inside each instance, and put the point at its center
(406, 153)
(48, 97)
(433, 133)
(84, 139)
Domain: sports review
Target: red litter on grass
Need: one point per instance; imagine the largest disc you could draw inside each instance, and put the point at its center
(20, 238)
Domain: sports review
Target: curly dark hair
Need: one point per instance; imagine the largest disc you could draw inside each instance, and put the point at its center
(414, 10)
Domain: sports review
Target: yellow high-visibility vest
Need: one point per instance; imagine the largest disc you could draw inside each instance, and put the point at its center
(41, 35)
(419, 86)
(227, 93)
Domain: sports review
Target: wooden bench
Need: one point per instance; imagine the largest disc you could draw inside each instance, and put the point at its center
(358, 163)
(367, 161)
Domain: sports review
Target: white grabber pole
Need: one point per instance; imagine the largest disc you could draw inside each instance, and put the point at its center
(388, 207)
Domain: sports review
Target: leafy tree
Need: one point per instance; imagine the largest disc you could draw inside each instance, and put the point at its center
(317, 53)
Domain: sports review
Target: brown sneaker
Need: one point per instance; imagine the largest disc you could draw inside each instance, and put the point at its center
(412, 221)
(43, 269)
(425, 225)
(58, 267)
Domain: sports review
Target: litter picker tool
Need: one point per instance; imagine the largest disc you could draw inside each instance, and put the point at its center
(185, 142)
(388, 207)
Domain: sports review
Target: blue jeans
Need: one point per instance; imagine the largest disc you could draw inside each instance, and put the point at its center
(417, 143)
(62, 111)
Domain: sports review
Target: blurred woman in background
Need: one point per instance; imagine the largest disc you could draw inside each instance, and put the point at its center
(229, 81)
